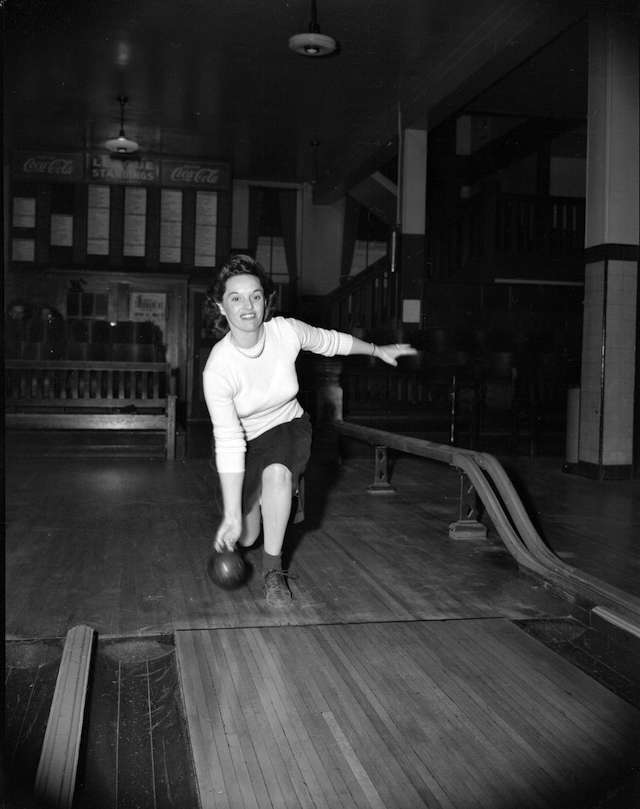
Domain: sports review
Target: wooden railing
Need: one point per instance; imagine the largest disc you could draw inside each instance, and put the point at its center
(67, 395)
(492, 229)
(378, 390)
(438, 402)
(35, 383)
(493, 237)
(544, 224)
(368, 300)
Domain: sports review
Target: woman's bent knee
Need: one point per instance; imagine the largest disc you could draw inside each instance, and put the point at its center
(276, 474)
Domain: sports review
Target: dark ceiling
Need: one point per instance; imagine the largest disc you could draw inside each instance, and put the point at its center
(215, 78)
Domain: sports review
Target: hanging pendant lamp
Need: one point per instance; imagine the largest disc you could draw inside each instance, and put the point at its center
(122, 146)
(312, 43)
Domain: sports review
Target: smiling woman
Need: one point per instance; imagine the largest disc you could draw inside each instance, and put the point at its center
(243, 305)
(262, 434)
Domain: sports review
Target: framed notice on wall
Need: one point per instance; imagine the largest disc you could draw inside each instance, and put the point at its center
(24, 212)
(144, 306)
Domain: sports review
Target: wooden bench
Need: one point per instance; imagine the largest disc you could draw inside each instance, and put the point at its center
(84, 395)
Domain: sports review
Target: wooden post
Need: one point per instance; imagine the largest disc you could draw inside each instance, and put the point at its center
(467, 526)
(452, 411)
(58, 765)
(171, 427)
(381, 483)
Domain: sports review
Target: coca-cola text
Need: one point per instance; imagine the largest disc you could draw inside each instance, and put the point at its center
(195, 174)
(59, 166)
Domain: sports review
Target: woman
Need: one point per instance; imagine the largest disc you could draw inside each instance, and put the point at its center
(262, 434)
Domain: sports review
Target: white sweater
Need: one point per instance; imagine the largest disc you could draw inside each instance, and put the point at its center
(247, 396)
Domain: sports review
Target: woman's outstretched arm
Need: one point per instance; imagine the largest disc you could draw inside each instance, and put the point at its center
(387, 353)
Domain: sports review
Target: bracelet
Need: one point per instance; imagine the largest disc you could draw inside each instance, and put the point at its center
(373, 350)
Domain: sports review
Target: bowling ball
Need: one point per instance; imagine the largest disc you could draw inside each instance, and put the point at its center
(227, 569)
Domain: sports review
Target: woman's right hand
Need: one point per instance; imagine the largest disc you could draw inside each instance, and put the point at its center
(228, 533)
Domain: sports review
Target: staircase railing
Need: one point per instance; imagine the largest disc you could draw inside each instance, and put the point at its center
(489, 232)
(493, 228)
(367, 301)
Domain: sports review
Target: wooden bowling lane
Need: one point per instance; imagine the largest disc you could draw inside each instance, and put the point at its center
(122, 547)
(456, 714)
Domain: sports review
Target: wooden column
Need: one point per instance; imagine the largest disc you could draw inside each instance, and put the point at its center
(413, 192)
(609, 389)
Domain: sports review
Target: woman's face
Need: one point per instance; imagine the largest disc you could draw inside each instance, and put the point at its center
(243, 303)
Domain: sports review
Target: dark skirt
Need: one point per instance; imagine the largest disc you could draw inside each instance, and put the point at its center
(288, 444)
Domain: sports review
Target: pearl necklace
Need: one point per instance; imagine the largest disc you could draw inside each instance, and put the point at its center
(255, 350)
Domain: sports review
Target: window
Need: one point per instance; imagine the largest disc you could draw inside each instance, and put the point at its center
(371, 241)
(270, 250)
(61, 221)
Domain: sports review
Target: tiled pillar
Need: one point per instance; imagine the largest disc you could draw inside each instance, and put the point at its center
(413, 191)
(608, 380)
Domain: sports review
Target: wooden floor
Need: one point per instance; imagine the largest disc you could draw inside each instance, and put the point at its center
(399, 677)
(121, 546)
(593, 525)
(410, 714)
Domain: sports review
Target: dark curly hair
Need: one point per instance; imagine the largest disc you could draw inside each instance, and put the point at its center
(238, 264)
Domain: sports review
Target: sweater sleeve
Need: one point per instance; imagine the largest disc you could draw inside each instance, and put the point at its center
(327, 342)
(230, 444)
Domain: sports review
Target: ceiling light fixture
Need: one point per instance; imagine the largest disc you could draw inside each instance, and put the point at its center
(122, 145)
(312, 43)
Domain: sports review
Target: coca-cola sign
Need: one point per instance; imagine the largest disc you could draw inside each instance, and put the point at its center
(195, 175)
(48, 166)
(100, 167)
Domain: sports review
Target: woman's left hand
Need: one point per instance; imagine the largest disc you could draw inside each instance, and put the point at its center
(228, 533)
(390, 353)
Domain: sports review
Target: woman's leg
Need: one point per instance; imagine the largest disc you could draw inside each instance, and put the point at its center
(275, 503)
(276, 506)
(250, 526)
(272, 508)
